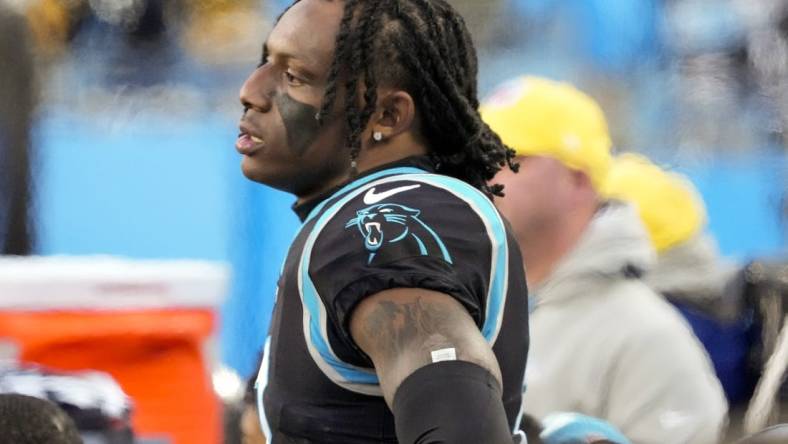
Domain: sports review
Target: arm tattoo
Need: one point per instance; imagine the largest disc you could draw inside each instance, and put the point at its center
(393, 327)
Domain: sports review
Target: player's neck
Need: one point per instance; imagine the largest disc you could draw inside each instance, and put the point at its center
(389, 151)
(370, 158)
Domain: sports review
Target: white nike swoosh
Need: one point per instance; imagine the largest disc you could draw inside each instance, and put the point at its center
(372, 198)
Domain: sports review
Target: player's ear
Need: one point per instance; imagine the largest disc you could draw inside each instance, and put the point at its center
(395, 114)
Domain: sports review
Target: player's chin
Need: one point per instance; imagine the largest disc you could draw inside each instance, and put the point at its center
(269, 172)
(254, 170)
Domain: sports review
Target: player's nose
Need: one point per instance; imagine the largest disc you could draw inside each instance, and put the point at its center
(257, 91)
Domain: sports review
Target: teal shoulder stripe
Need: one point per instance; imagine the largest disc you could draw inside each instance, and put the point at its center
(315, 330)
(496, 230)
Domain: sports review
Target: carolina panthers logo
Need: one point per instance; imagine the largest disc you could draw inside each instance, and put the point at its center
(388, 223)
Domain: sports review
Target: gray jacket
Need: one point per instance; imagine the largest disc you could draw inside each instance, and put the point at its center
(605, 345)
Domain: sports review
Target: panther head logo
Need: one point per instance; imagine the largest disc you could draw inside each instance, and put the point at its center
(389, 223)
(383, 223)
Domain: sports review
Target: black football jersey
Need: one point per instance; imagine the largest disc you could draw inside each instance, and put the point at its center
(400, 226)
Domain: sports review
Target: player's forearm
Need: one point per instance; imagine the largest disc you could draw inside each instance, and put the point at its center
(454, 402)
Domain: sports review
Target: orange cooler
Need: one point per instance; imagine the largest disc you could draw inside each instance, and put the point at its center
(147, 323)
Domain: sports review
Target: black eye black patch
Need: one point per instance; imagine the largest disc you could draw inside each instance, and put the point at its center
(300, 123)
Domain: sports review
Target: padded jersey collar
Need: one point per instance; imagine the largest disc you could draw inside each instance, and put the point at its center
(305, 208)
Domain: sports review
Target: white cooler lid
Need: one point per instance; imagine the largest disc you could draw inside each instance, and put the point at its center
(109, 283)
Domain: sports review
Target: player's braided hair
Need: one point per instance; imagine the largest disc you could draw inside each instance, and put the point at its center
(423, 47)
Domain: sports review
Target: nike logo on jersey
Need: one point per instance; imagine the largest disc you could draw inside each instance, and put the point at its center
(372, 198)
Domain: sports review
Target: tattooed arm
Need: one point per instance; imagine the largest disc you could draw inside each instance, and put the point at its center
(399, 329)
(458, 401)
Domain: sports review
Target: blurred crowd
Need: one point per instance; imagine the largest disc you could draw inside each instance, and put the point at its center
(668, 72)
(657, 335)
(662, 339)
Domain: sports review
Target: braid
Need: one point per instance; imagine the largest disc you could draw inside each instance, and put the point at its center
(351, 89)
(368, 27)
(340, 51)
(423, 47)
(447, 91)
(469, 71)
(428, 10)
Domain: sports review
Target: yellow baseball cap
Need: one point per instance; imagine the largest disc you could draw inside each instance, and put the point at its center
(541, 117)
(668, 203)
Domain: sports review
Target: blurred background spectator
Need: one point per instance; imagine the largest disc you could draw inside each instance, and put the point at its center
(689, 270)
(602, 342)
(131, 142)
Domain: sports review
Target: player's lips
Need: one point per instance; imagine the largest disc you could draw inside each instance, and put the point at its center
(249, 141)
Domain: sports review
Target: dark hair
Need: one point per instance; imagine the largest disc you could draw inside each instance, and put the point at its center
(423, 47)
(28, 420)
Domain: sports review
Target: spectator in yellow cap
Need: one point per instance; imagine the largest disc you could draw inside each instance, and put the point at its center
(602, 342)
(689, 268)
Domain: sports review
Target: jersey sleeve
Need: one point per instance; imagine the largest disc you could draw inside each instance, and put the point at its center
(437, 234)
